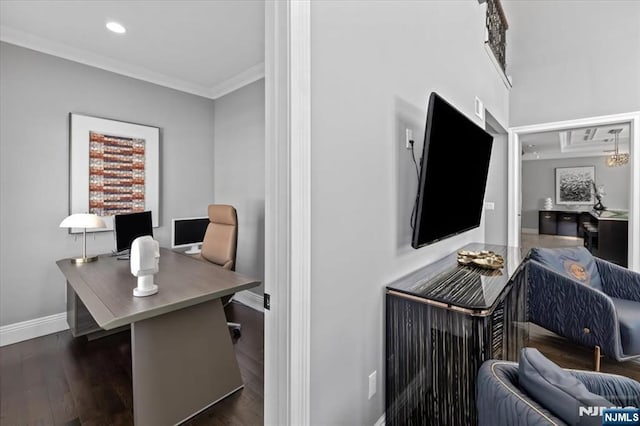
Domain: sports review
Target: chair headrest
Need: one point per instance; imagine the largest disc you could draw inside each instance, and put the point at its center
(222, 213)
(576, 263)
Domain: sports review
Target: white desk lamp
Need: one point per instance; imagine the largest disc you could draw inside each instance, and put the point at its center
(84, 221)
(145, 255)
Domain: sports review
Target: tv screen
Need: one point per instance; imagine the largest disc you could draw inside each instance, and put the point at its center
(453, 177)
(130, 226)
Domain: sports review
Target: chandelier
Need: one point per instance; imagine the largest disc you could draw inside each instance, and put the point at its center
(617, 158)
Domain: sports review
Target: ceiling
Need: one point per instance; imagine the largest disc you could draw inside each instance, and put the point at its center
(205, 47)
(577, 142)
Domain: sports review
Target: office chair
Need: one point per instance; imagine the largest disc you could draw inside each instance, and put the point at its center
(220, 244)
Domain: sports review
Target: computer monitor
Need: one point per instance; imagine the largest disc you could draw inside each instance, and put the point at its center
(189, 232)
(130, 226)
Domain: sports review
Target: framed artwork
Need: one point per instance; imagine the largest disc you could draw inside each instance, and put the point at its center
(574, 185)
(114, 168)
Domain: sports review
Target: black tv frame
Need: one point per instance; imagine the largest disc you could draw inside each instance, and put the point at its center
(415, 243)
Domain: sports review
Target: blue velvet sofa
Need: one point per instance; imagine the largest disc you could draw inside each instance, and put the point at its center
(587, 300)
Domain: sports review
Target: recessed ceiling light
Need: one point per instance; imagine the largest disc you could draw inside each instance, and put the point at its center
(530, 145)
(116, 27)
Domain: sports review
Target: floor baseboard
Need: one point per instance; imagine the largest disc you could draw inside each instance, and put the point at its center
(250, 299)
(529, 230)
(25, 330)
(381, 421)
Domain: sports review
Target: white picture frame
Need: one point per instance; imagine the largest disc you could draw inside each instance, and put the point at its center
(80, 129)
(574, 185)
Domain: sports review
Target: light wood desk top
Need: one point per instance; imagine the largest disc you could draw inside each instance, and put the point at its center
(106, 287)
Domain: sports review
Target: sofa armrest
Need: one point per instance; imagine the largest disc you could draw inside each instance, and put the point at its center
(501, 403)
(618, 281)
(573, 310)
(621, 391)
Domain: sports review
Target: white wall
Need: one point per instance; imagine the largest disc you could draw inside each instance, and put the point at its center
(38, 93)
(573, 59)
(239, 162)
(373, 67)
(538, 183)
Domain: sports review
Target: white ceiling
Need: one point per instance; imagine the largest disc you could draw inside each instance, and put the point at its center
(572, 143)
(205, 47)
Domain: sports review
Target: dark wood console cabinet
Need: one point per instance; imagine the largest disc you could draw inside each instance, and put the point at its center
(605, 233)
(558, 222)
(442, 322)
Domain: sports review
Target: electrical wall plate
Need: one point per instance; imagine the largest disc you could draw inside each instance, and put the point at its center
(408, 138)
(479, 108)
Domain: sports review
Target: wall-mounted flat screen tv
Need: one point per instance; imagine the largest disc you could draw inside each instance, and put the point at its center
(453, 176)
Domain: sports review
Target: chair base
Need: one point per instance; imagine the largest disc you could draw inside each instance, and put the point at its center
(596, 358)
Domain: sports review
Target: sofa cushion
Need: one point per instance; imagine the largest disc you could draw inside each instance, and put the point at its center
(574, 262)
(557, 389)
(629, 320)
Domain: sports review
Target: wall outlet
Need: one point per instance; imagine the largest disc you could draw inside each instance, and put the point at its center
(408, 137)
(489, 205)
(372, 384)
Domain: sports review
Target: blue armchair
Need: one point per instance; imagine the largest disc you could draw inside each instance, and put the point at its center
(502, 401)
(587, 300)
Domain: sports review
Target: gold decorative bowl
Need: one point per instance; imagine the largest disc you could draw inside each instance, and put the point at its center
(484, 259)
(489, 263)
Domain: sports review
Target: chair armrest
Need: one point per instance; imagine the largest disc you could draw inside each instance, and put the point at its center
(618, 281)
(573, 310)
(501, 403)
(621, 391)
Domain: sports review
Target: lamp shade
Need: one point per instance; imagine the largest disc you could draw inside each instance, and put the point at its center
(83, 220)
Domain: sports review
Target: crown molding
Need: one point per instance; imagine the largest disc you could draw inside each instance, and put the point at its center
(23, 39)
(248, 76)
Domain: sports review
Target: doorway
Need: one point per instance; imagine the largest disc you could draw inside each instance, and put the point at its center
(518, 148)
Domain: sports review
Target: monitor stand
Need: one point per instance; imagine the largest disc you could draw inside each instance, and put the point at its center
(195, 249)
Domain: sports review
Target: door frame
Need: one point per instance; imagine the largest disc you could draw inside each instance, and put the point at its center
(287, 212)
(514, 199)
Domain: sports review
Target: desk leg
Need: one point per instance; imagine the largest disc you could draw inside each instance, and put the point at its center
(182, 363)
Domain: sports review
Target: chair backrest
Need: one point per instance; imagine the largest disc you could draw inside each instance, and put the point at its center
(576, 263)
(221, 238)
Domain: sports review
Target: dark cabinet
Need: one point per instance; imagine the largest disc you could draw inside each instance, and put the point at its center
(547, 223)
(442, 322)
(605, 233)
(558, 223)
(567, 224)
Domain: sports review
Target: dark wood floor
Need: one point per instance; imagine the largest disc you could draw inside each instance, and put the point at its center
(569, 355)
(58, 380)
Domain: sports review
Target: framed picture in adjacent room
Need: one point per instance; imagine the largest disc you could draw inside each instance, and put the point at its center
(574, 185)
(114, 167)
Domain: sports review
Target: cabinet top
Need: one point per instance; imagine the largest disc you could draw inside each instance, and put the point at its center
(611, 215)
(469, 287)
(564, 211)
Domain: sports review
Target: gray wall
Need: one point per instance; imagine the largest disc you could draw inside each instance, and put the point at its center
(572, 59)
(372, 69)
(538, 183)
(495, 225)
(239, 162)
(38, 93)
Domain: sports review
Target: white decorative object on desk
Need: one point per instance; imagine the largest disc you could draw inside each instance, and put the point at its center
(145, 255)
(548, 203)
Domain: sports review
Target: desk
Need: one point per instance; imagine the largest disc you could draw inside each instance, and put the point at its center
(442, 322)
(610, 239)
(181, 352)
